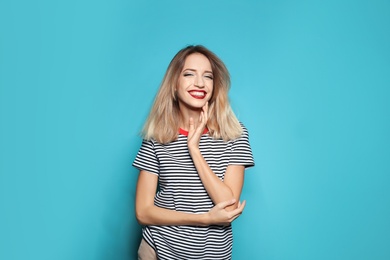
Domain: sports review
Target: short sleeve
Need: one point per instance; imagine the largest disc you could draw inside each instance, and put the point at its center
(241, 150)
(146, 158)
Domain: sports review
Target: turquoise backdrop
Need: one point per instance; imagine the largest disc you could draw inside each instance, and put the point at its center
(310, 80)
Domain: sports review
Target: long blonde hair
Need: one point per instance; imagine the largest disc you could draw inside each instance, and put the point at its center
(162, 123)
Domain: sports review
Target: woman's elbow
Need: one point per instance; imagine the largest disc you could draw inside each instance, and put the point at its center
(141, 216)
(232, 207)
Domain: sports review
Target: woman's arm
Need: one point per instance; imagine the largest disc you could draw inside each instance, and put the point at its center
(149, 214)
(217, 189)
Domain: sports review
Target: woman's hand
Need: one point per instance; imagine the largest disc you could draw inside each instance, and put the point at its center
(195, 132)
(218, 215)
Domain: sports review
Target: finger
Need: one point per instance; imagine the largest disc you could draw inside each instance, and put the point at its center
(238, 210)
(202, 123)
(242, 205)
(205, 109)
(204, 120)
(234, 218)
(225, 204)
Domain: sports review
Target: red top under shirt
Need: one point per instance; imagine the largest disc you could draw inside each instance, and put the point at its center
(184, 132)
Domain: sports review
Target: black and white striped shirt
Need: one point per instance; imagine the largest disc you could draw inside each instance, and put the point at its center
(181, 189)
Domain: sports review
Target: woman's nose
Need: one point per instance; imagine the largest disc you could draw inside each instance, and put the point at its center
(199, 82)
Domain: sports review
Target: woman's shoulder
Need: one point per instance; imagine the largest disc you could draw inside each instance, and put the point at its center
(244, 129)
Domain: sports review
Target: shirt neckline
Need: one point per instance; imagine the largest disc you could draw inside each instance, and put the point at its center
(184, 132)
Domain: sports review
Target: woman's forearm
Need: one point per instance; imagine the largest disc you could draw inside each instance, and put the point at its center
(154, 215)
(215, 187)
(218, 215)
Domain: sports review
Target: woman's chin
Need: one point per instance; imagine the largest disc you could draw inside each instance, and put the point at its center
(193, 105)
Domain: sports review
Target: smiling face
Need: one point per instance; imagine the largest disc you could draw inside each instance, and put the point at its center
(195, 83)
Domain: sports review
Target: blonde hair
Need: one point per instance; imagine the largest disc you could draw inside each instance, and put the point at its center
(162, 123)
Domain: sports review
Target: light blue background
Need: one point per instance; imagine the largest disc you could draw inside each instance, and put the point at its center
(310, 80)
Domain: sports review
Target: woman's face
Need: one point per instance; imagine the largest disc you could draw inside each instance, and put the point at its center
(195, 84)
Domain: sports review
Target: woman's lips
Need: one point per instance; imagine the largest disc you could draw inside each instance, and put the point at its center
(198, 94)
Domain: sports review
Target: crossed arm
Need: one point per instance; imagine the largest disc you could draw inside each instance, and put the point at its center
(225, 194)
(223, 213)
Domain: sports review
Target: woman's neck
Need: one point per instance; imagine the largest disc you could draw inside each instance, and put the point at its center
(185, 115)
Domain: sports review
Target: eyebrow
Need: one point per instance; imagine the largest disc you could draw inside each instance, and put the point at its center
(207, 71)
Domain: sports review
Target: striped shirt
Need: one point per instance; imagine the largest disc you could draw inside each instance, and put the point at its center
(181, 189)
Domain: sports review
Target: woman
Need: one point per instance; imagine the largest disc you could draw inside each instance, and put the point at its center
(195, 151)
